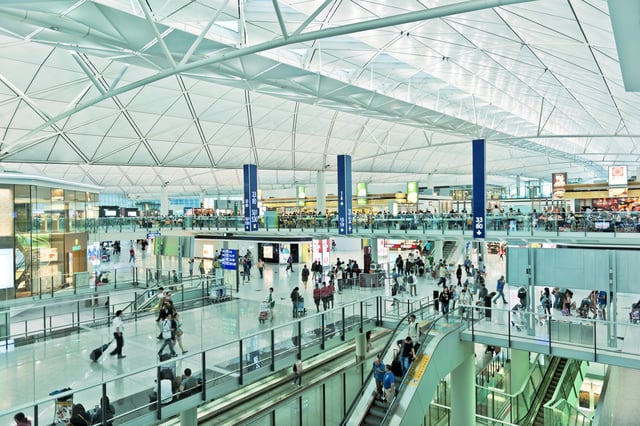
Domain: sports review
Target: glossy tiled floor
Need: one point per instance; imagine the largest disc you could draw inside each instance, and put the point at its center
(30, 372)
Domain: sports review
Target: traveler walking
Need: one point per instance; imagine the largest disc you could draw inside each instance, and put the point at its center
(167, 335)
(500, 290)
(118, 328)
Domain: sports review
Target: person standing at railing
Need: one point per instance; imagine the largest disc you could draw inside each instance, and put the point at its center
(201, 269)
(190, 263)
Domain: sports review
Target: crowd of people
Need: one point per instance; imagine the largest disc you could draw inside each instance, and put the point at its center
(169, 323)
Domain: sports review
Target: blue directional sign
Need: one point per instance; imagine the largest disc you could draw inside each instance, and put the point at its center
(228, 258)
(250, 197)
(479, 191)
(345, 195)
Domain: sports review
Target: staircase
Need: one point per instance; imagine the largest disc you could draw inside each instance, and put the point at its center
(539, 420)
(378, 410)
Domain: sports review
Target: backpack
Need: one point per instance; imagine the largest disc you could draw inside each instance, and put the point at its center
(295, 368)
(410, 279)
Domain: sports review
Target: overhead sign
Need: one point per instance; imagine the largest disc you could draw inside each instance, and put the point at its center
(345, 218)
(151, 235)
(479, 191)
(228, 259)
(250, 197)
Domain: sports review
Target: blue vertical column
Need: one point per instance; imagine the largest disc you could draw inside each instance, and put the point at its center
(479, 190)
(345, 218)
(250, 197)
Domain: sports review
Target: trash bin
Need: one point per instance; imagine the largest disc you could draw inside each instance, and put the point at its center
(436, 303)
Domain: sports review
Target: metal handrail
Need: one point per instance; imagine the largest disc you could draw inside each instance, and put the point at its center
(385, 349)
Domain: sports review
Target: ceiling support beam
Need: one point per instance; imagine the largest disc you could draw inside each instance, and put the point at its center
(60, 132)
(283, 26)
(202, 34)
(312, 17)
(433, 13)
(294, 131)
(253, 150)
(196, 120)
(147, 13)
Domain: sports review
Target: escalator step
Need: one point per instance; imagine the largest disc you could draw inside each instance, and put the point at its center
(377, 412)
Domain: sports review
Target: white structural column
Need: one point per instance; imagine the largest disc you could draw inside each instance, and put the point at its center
(189, 417)
(164, 200)
(482, 252)
(361, 347)
(321, 193)
(463, 395)
(519, 369)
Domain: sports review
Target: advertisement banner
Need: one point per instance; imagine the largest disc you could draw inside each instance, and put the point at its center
(479, 190)
(617, 175)
(300, 196)
(345, 217)
(361, 193)
(558, 184)
(412, 192)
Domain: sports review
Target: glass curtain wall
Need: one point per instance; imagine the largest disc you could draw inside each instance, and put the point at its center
(43, 238)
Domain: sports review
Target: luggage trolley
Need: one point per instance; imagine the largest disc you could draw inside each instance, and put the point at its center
(265, 312)
(62, 407)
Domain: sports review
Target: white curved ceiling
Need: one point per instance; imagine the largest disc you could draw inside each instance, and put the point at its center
(132, 94)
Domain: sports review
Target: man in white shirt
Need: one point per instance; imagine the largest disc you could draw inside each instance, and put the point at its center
(118, 327)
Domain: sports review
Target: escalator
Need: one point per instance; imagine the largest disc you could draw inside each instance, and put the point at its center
(553, 384)
(417, 387)
(448, 247)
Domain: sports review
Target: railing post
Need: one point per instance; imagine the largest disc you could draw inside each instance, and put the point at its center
(241, 368)
(203, 368)
(273, 350)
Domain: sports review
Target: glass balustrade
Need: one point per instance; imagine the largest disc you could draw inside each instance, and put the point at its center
(222, 368)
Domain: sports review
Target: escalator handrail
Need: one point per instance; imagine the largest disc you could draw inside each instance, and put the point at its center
(387, 347)
(402, 386)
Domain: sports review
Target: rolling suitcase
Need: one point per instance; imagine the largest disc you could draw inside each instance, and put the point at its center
(97, 352)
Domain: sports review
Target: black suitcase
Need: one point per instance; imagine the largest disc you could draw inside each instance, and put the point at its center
(97, 352)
